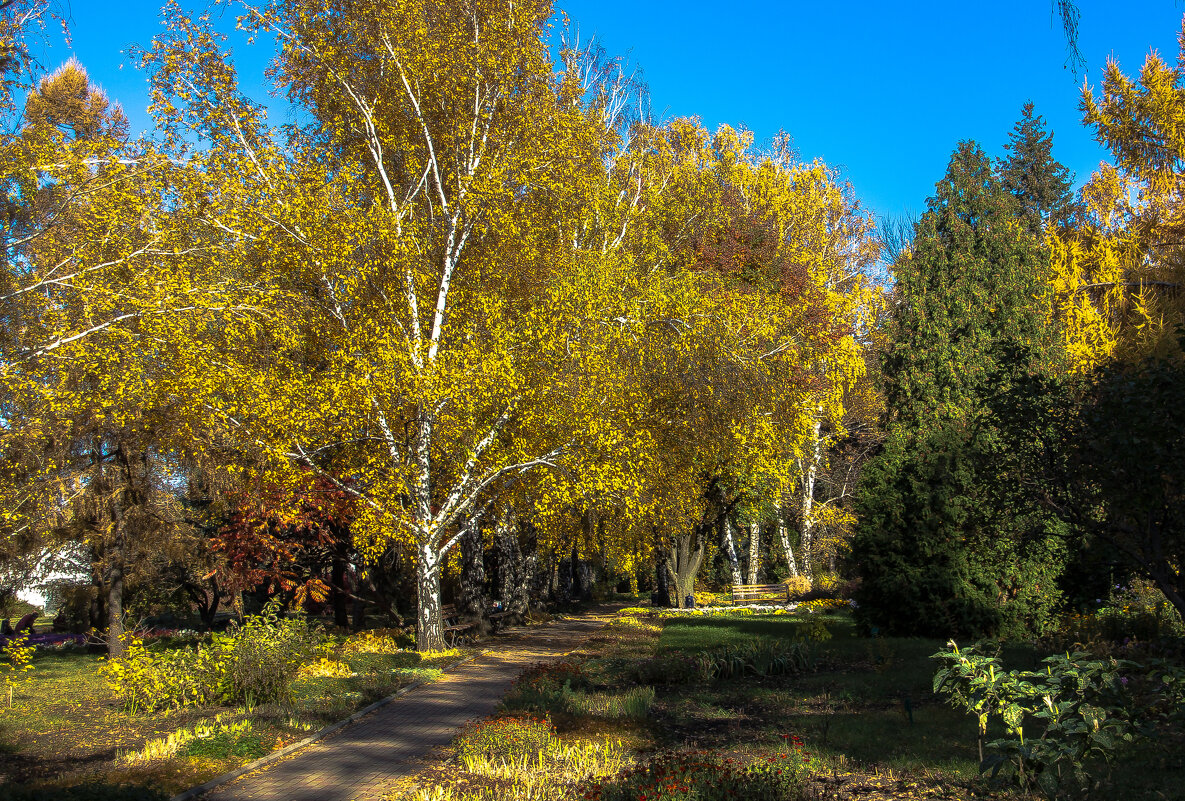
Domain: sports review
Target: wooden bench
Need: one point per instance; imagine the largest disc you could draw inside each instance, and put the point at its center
(453, 624)
(497, 614)
(760, 592)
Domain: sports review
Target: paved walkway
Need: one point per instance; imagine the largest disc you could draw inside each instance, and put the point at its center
(360, 761)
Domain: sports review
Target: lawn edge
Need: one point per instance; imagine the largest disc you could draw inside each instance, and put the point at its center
(320, 734)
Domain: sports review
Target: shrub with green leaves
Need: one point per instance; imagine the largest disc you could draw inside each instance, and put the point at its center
(147, 678)
(261, 658)
(250, 663)
(1073, 711)
(18, 661)
(633, 610)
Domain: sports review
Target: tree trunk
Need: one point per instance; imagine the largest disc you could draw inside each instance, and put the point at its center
(473, 601)
(754, 551)
(115, 643)
(731, 552)
(662, 590)
(784, 534)
(509, 562)
(429, 626)
(683, 563)
(337, 589)
(808, 473)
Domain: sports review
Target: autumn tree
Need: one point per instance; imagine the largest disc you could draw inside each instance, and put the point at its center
(79, 456)
(1115, 289)
(424, 353)
(297, 545)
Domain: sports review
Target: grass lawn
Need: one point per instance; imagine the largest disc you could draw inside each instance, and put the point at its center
(864, 711)
(67, 727)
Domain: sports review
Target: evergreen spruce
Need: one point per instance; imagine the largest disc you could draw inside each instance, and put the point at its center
(1034, 177)
(947, 545)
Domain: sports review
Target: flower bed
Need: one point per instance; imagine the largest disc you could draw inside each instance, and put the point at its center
(50, 640)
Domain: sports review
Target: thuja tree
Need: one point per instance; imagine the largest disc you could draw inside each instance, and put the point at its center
(946, 542)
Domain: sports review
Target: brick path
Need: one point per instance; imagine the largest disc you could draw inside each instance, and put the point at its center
(358, 762)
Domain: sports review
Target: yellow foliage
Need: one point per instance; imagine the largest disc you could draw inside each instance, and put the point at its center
(373, 641)
(326, 667)
(797, 586)
(1116, 280)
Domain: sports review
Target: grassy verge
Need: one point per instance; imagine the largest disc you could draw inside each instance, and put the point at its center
(67, 729)
(859, 715)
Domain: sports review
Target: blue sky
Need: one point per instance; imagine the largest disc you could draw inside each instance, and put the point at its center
(882, 90)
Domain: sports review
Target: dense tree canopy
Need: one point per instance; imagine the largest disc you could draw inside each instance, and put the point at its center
(472, 326)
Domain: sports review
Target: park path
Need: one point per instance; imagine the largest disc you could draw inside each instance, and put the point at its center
(361, 760)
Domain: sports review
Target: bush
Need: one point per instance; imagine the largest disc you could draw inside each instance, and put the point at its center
(255, 662)
(935, 558)
(326, 668)
(377, 641)
(632, 610)
(147, 679)
(259, 659)
(18, 661)
(705, 598)
(824, 605)
(797, 586)
(1073, 710)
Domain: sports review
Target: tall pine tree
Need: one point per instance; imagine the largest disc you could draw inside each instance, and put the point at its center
(946, 544)
(1031, 174)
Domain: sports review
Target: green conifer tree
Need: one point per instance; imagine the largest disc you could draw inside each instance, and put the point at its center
(947, 544)
(1034, 177)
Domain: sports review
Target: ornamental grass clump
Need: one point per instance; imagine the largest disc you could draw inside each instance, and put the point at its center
(757, 658)
(512, 740)
(218, 738)
(631, 704)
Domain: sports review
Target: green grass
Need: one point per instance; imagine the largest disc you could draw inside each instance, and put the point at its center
(66, 727)
(866, 712)
(694, 634)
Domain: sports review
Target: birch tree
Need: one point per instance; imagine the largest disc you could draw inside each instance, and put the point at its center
(417, 222)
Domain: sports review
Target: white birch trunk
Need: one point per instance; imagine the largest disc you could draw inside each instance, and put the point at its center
(784, 534)
(754, 551)
(730, 550)
(429, 626)
(808, 473)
